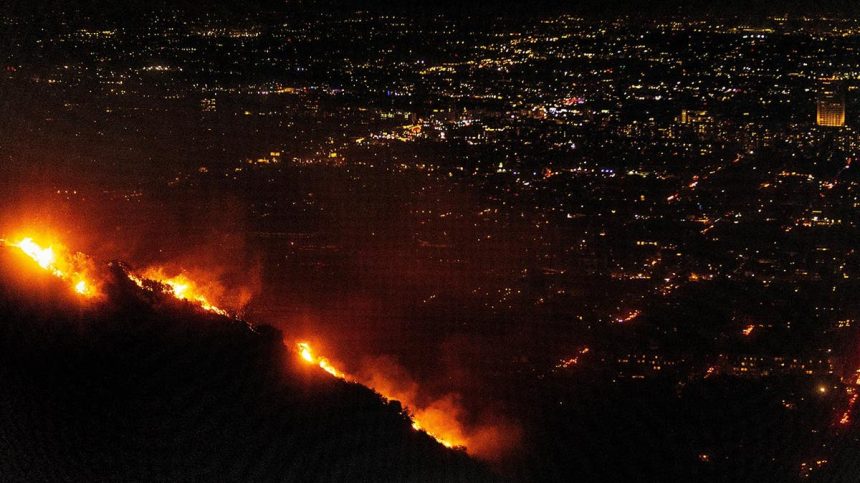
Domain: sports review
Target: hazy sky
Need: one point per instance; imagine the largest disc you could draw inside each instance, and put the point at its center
(125, 10)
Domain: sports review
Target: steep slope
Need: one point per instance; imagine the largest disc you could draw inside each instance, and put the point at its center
(140, 386)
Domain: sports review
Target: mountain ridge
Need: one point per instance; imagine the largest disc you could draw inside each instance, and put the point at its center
(142, 386)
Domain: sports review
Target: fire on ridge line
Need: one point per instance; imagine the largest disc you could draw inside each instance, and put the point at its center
(75, 269)
(59, 262)
(308, 356)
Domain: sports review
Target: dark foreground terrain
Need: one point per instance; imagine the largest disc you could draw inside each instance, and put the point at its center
(146, 388)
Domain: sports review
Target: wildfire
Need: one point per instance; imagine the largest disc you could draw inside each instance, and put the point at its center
(567, 363)
(180, 286)
(417, 427)
(307, 355)
(845, 420)
(324, 364)
(43, 256)
(629, 317)
(76, 270)
(72, 268)
(438, 420)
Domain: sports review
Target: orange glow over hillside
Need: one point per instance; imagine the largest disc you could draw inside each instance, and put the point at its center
(435, 423)
(179, 286)
(439, 419)
(73, 268)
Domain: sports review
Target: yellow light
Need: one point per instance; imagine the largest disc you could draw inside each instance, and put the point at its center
(43, 256)
(305, 351)
(181, 287)
(58, 262)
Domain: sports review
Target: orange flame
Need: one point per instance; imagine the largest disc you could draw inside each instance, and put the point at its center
(439, 420)
(180, 286)
(433, 420)
(60, 262)
(43, 256)
(845, 420)
(324, 364)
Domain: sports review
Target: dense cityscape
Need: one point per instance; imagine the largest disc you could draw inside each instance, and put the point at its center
(634, 239)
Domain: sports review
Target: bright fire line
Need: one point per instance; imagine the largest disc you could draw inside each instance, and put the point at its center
(180, 287)
(62, 266)
(307, 355)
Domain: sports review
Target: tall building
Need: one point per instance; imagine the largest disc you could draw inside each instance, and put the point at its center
(831, 103)
(701, 121)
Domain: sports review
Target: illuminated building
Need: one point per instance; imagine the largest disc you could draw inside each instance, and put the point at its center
(831, 104)
(208, 104)
(701, 121)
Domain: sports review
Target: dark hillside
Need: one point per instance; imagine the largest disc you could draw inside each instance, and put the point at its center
(145, 388)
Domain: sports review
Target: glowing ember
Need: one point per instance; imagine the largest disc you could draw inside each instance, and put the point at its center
(631, 316)
(845, 420)
(308, 356)
(748, 330)
(59, 262)
(567, 363)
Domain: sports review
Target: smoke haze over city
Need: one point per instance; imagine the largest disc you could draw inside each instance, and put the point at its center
(501, 241)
